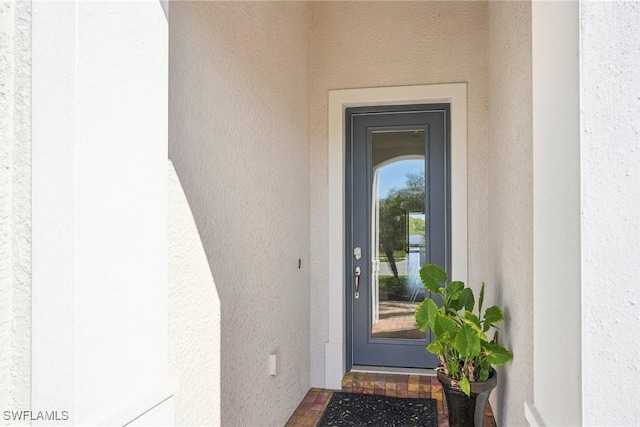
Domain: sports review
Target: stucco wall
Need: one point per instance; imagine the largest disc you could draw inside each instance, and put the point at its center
(511, 199)
(194, 317)
(239, 140)
(610, 171)
(15, 204)
(370, 44)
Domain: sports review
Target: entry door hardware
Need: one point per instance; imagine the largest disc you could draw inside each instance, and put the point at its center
(356, 274)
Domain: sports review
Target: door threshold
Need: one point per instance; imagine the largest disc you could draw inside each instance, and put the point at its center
(394, 370)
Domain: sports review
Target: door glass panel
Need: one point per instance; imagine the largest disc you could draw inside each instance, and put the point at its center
(398, 230)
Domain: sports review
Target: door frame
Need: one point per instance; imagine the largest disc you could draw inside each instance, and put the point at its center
(453, 93)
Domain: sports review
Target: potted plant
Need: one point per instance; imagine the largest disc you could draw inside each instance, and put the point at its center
(467, 356)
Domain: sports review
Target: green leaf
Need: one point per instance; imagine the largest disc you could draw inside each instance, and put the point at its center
(434, 271)
(481, 301)
(452, 312)
(467, 342)
(467, 300)
(484, 374)
(443, 325)
(496, 354)
(430, 284)
(491, 316)
(432, 275)
(425, 314)
(472, 320)
(469, 317)
(465, 386)
(452, 366)
(435, 347)
(454, 289)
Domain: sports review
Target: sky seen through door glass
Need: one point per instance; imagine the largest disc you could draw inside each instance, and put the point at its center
(394, 175)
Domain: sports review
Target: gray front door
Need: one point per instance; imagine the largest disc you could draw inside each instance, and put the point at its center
(397, 219)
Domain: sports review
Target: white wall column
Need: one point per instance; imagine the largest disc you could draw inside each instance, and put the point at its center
(99, 149)
(53, 206)
(556, 216)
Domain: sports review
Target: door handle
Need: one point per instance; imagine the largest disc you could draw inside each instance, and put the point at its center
(356, 274)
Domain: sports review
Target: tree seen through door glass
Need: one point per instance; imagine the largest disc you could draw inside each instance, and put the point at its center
(398, 232)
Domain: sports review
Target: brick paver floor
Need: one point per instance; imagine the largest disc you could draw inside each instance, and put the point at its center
(312, 406)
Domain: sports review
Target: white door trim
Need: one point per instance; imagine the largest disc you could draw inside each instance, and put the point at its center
(454, 93)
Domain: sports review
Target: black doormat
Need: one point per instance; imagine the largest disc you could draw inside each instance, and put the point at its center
(355, 409)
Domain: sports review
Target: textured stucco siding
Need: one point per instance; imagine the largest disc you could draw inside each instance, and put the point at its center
(194, 317)
(610, 171)
(239, 140)
(511, 199)
(15, 204)
(373, 44)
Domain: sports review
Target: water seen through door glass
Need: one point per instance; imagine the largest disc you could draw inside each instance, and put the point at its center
(399, 231)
